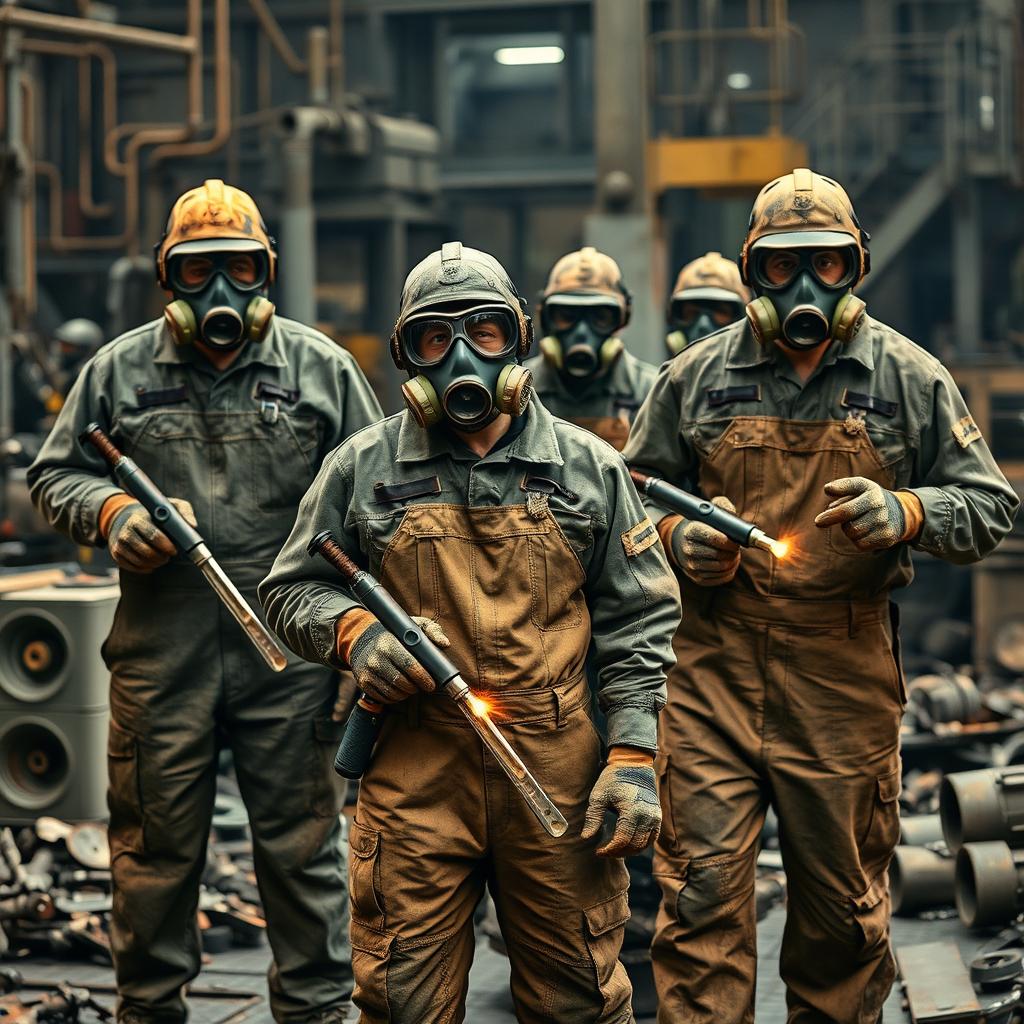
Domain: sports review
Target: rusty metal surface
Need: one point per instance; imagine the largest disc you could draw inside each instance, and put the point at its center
(937, 984)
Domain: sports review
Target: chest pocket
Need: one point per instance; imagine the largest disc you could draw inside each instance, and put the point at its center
(230, 459)
(282, 460)
(575, 526)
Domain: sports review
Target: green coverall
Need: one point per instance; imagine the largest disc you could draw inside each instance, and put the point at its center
(242, 446)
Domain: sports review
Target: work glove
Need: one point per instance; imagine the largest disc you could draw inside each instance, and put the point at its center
(872, 517)
(628, 788)
(705, 554)
(137, 544)
(385, 671)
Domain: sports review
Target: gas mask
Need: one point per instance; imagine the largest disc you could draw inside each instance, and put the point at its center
(580, 341)
(464, 367)
(804, 296)
(218, 297)
(694, 319)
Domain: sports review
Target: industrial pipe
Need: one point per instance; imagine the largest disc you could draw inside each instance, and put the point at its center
(989, 883)
(983, 805)
(920, 830)
(90, 28)
(297, 289)
(946, 698)
(920, 879)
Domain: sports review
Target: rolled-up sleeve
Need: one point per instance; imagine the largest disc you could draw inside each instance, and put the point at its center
(968, 504)
(303, 595)
(634, 610)
(69, 481)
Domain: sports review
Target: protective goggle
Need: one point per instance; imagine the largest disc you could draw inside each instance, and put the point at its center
(685, 312)
(191, 272)
(778, 268)
(602, 318)
(492, 332)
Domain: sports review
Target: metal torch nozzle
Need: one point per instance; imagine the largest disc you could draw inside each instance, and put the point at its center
(760, 539)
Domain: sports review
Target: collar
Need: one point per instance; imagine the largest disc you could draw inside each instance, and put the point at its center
(268, 352)
(745, 351)
(536, 442)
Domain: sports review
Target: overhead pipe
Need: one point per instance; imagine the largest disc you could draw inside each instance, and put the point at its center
(101, 31)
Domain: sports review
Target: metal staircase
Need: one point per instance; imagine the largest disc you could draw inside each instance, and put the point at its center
(908, 118)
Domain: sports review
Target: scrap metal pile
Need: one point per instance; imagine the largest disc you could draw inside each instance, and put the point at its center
(961, 852)
(55, 889)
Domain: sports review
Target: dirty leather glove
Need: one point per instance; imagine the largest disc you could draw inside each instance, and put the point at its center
(385, 671)
(706, 555)
(626, 786)
(137, 544)
(872, 517)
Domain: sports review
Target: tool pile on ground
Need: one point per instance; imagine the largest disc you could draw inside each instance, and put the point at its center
(24, 1002)
(55, 888)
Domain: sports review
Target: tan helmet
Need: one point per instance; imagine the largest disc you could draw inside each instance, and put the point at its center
(804, 208)
(214, 211)
(711, 277)
(581, 275)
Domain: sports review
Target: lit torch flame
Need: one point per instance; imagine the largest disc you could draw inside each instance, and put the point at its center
(478, 705)
(780, 548)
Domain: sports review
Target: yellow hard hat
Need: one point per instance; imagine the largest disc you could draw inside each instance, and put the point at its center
(711, 277)
(803, 208)
(582, 275)
(214, 211)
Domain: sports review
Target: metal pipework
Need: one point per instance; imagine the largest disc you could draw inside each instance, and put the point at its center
(188, 542)
(365, 718)
(689, 506)
(946, 698)
(989, 883)
(300, 126)
(983, 805)
(920, 830)
(920, 879)
(89, 28)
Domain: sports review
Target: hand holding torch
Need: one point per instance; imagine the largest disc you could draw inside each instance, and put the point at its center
(364, 723)
(187, 540)
(739, 531)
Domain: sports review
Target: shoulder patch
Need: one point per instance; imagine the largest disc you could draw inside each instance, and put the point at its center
(966, 431)
(639, 538)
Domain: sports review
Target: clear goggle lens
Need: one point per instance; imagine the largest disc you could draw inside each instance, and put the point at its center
(491, 332)
(247, 271)
(601, 318)
(685, 313)
(777, 268)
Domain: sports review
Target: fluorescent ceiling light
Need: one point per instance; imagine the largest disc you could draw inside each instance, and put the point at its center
(738, 80)
(529, 55)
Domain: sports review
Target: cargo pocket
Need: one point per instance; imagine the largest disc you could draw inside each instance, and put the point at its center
(871, 913)
(364, 876)
(371, 958)
(883, 828)
(124, 795)
(605, 928)
(327, 790)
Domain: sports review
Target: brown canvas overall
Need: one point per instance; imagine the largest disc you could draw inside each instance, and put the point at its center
(786, 689)
(437, 819)
(613, 429)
